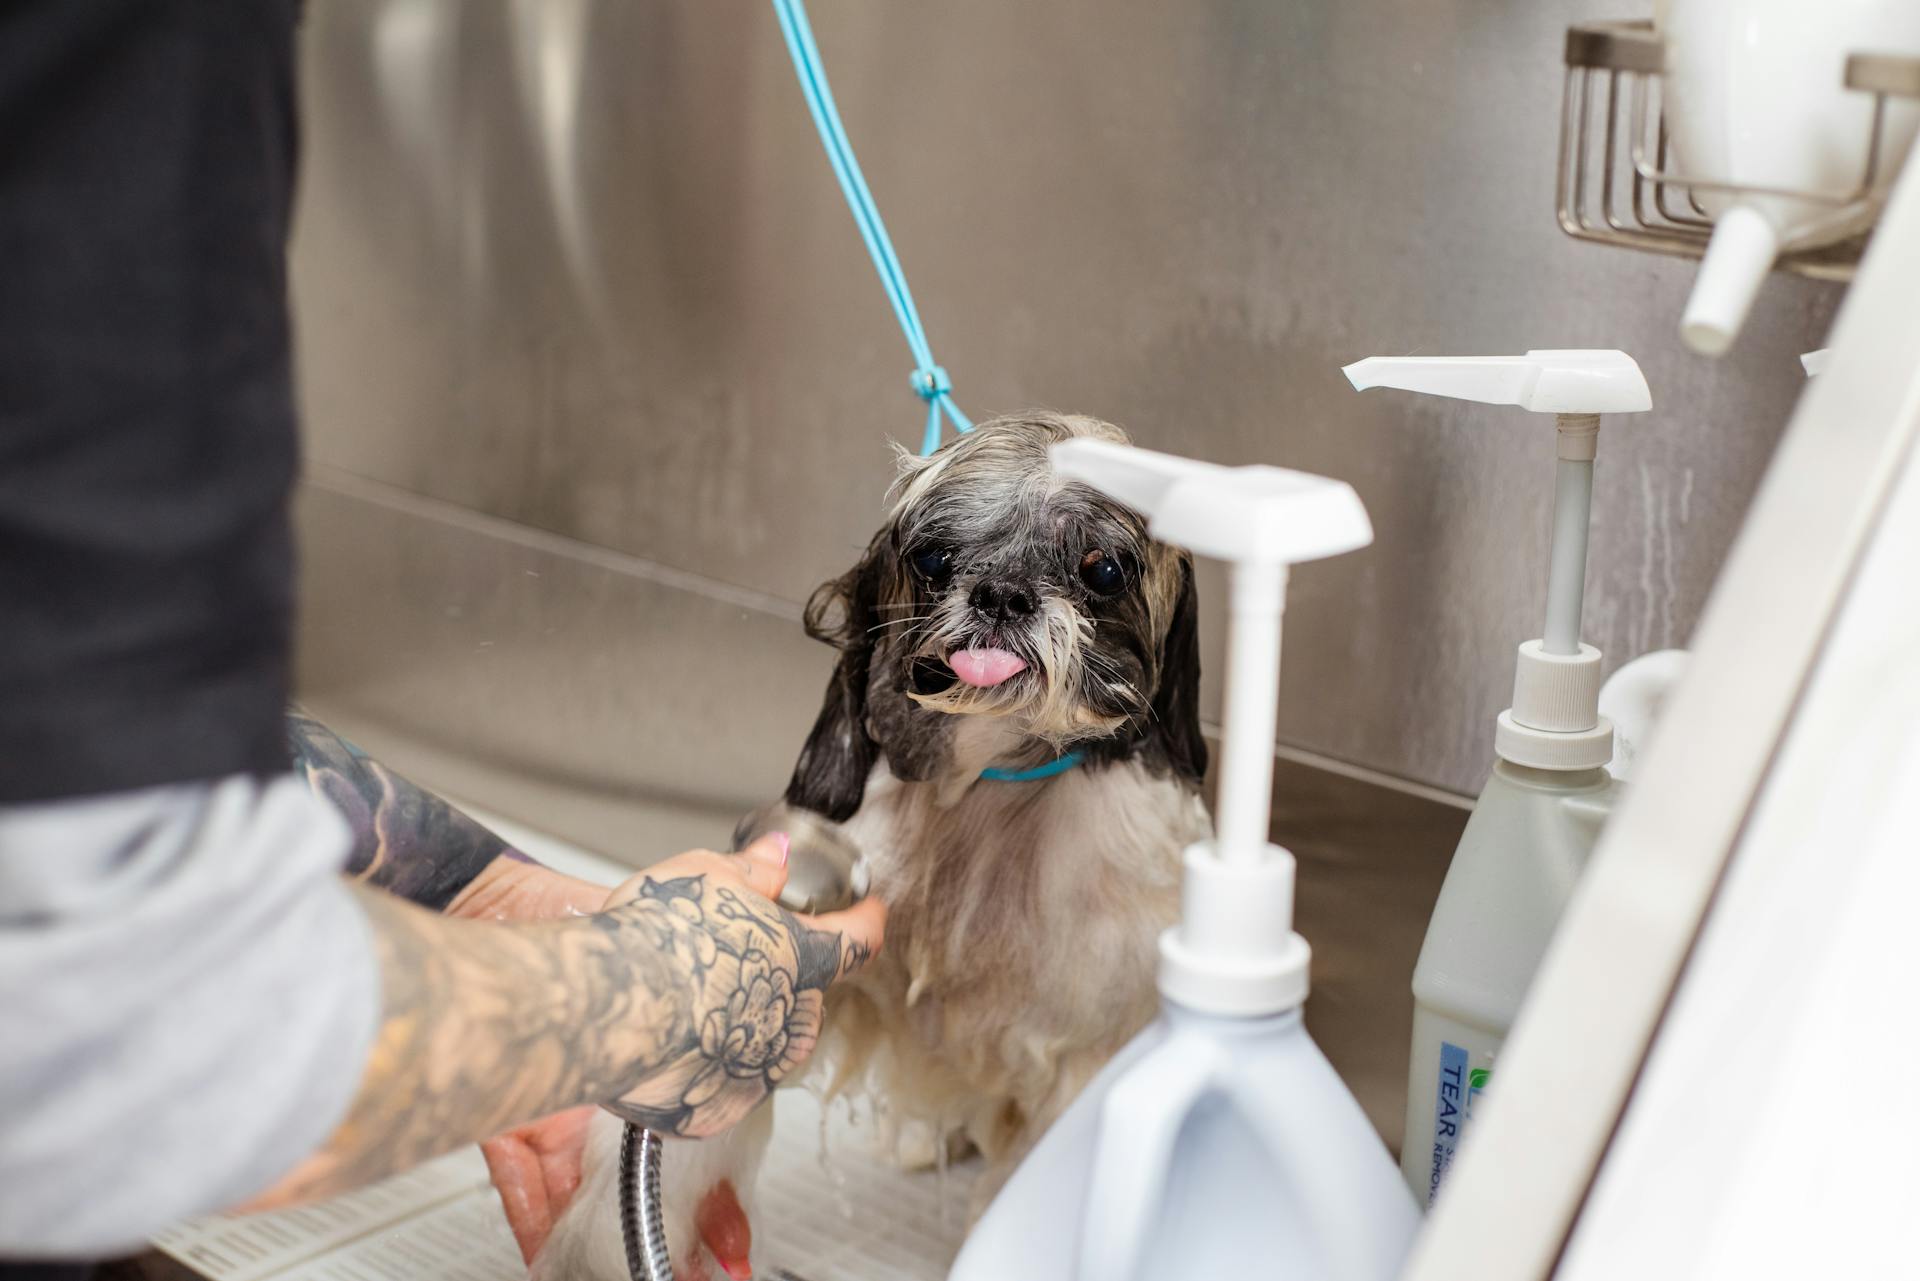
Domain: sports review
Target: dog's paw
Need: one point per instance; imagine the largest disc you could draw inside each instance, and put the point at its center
(825, 870)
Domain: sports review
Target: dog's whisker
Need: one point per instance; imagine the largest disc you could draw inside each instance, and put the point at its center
(1103, 667)
(898, 622)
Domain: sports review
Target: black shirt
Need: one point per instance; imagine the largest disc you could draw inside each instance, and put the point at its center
(147, 437)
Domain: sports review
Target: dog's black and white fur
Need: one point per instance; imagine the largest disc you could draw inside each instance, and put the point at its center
(1020, 949)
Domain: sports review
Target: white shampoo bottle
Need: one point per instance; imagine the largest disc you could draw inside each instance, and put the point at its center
(1542, 808)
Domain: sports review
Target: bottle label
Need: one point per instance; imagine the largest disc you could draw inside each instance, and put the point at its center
(1454, 1094)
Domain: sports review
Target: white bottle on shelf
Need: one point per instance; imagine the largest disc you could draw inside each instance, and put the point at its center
(1541, 811)
(1219, 1141)
(1755, 95)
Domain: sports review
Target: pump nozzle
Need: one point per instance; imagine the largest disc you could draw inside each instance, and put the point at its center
(1234, 951)
(1739, 255)
(1260, 520)
(1555, 721)
(1574, 381)
(1248, 515)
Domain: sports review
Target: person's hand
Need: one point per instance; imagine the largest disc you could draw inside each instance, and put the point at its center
(758, 979)
(536, 1171)
(752, 975)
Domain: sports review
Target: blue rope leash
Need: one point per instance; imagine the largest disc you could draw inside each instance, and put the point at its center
(930, 381)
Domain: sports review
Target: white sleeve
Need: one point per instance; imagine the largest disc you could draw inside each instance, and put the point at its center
(188, 994)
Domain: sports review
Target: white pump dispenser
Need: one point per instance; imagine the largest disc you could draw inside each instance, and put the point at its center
(1540, 813)
(1220, 1138)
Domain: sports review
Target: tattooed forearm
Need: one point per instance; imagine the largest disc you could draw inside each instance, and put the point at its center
(682, 1008)
(405, 839)
(487, 1026)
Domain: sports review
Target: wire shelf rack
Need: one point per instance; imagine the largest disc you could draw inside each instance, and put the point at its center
(1616, 182)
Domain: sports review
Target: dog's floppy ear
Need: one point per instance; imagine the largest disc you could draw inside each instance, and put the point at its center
(831, 775)
(1176, 703)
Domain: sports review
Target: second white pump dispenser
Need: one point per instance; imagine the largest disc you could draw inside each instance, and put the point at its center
(1219, 1141)
(1538, 817)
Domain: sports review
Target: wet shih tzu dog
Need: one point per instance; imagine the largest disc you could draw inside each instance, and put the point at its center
(1011, 739)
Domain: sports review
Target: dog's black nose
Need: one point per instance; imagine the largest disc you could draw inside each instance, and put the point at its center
(1002, 599)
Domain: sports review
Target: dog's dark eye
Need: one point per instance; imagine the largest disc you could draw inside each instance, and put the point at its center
(935, 564)
(1102, 574)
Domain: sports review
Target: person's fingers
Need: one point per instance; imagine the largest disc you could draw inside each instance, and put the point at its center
(509, 890)
(691, 863)
(765, 860)
(515, 1170)
(536, 1170)
(563, 895)
(725, 1230)
(564, 1140)
(862, 928)
(760, 867)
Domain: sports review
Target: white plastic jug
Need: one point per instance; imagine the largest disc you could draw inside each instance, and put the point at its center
(1530, 836)
(1225, 1147)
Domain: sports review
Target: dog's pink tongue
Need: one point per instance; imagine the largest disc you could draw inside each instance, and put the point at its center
(984, 668)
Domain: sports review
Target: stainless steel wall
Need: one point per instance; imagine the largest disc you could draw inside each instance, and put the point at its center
(598, 380)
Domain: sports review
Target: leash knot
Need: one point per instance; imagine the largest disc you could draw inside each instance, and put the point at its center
(932, 383)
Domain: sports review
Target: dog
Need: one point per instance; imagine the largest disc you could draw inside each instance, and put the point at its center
(1011, 740)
